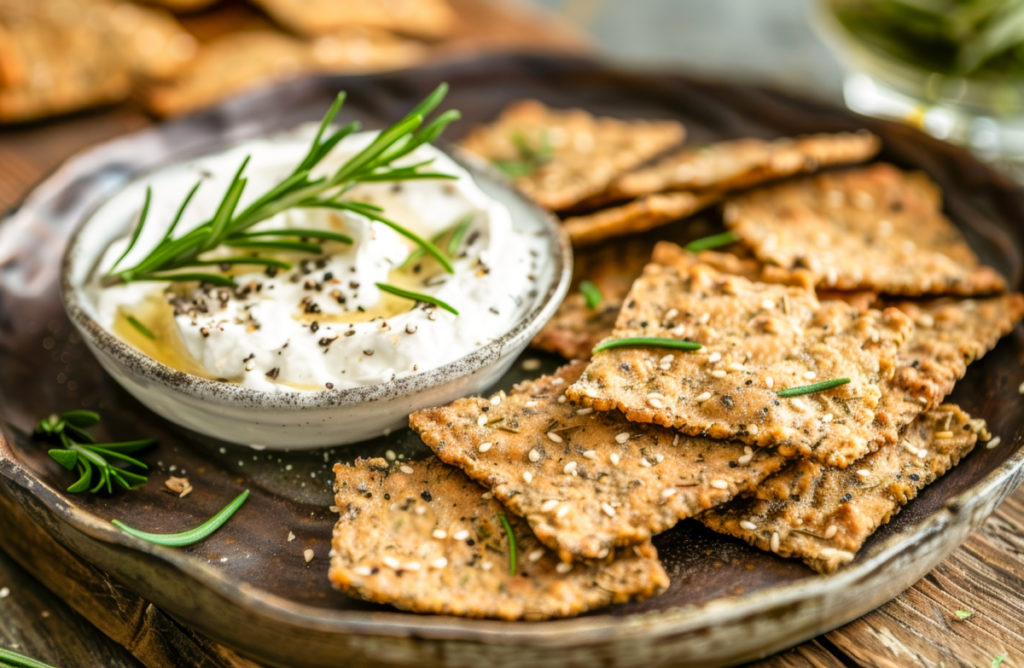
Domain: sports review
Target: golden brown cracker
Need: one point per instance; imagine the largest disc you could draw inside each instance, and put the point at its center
(586, 481)
(641, 214)
(430, 19)
(874, 228)
(823, 515)
(564, 156)
(423, 537)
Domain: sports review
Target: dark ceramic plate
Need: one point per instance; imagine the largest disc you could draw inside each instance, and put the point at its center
(249, 587)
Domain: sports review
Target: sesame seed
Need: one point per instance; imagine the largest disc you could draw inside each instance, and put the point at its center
(584, 411)
(487, 565)
(614, 458)
(440, 562)
(554, 437)
(809, 375)
(291, 536)
(719, 484)
(748, 454)
(827, 417)
(412, 566)
(718, 373)
(530, 404)
(557, 380)
(481, 421)
(671, 313)
(563, 567)
(704, 318)
(549, 505)
(364, 571)
(563, 510)
(943, 434)
(714, 357)
(608, 510)
(863, 473)
(561, 399)
(622, 437)
(752, 429)
(484, 447)
(440, 534)
(748, 525)
(496, 399)
(527, 477)
(570, 468)
(308, 555)
(923, 452)
(923, 400)
(993, 443)
(462, 534)
(668, 492)
(391, 562)
(487, 495)
(909, 447)
(667, 359)
(406, 469)
(645, 463)
(533, 455)
(703, 396)
(774, 543)
(655, 402)
(535, 555)
(675, 439)
(831, 531)
(735, 366)
(390, 455)
(590, 454)
(767, 303)
(769, 382)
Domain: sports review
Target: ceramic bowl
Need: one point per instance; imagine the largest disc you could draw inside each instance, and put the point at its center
(311, 419)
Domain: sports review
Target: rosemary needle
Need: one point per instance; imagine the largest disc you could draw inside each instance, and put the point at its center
(416, 297)
(713, 241)
(12, 658)
(591, 294)
(814, 387)
(655, 341)
(139, 327)
(511, 544)
(192, 535)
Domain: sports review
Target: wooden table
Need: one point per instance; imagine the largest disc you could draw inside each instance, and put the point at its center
(58, 609)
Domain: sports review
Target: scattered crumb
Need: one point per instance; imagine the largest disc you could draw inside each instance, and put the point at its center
(5, 592)
(308, 555)
(531, 364)
(291, 536)
(180, 486)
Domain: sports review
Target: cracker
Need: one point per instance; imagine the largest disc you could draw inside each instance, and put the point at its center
(741, 163)
(581, 153)
(875, 228)
(639, 215)
(423, 537)
(431, 19)
(823, 515)
(759, 338)
(586, 482)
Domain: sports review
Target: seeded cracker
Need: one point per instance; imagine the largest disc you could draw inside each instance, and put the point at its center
(585, 481)
(431, 19)
(741, 163)
(874, 227)
(759, 338)
(639, 215)
(582, 153)
(823, 515)
(423, 538)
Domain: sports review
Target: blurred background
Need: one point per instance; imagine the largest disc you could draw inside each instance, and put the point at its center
(951, 67)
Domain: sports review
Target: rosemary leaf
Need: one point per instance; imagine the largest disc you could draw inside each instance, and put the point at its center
(455, 241)
(213, 279)
(416, 296)
(655, 341)
(325, 235)
(813, 387)
(713, 241)
(281, 245)
(591, 294)
(181, 211)
(963, 614)
(139, 327)
(264, 261)
(138, 228)
(191, 536)
(511, 544)
(11, 658)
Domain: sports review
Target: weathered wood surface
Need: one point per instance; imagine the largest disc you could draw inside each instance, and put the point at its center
(68, 613)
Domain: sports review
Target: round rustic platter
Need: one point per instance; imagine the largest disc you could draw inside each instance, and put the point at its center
(251, 588)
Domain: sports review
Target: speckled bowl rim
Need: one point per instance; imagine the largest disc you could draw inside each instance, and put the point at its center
(104, 342)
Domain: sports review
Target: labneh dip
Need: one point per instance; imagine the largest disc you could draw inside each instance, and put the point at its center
(324, 323)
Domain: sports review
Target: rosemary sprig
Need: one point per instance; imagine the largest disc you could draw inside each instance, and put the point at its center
(713, 241)
(9, 657)
(91, 460)
(591, 294)
(176, 258)
(511, 544)
(530, 158)
(191, 536)
(416, 296)
(813, 387)
(655, 341)
(455, 233)
(140, 328)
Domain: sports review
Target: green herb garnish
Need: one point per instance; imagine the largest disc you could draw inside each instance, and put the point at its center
(511, 544)
(814, 387)
(175, 259)
(591, 294)
(530, 158)
(11, 658)
(416, 296)
(655, 341)
(458, 234)
(713, 241)
(998, 661)
(92, 460)
(192, 535)
(139, 327)
(963, 614)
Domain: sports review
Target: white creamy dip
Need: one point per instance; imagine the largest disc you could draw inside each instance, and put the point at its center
(323, 324)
